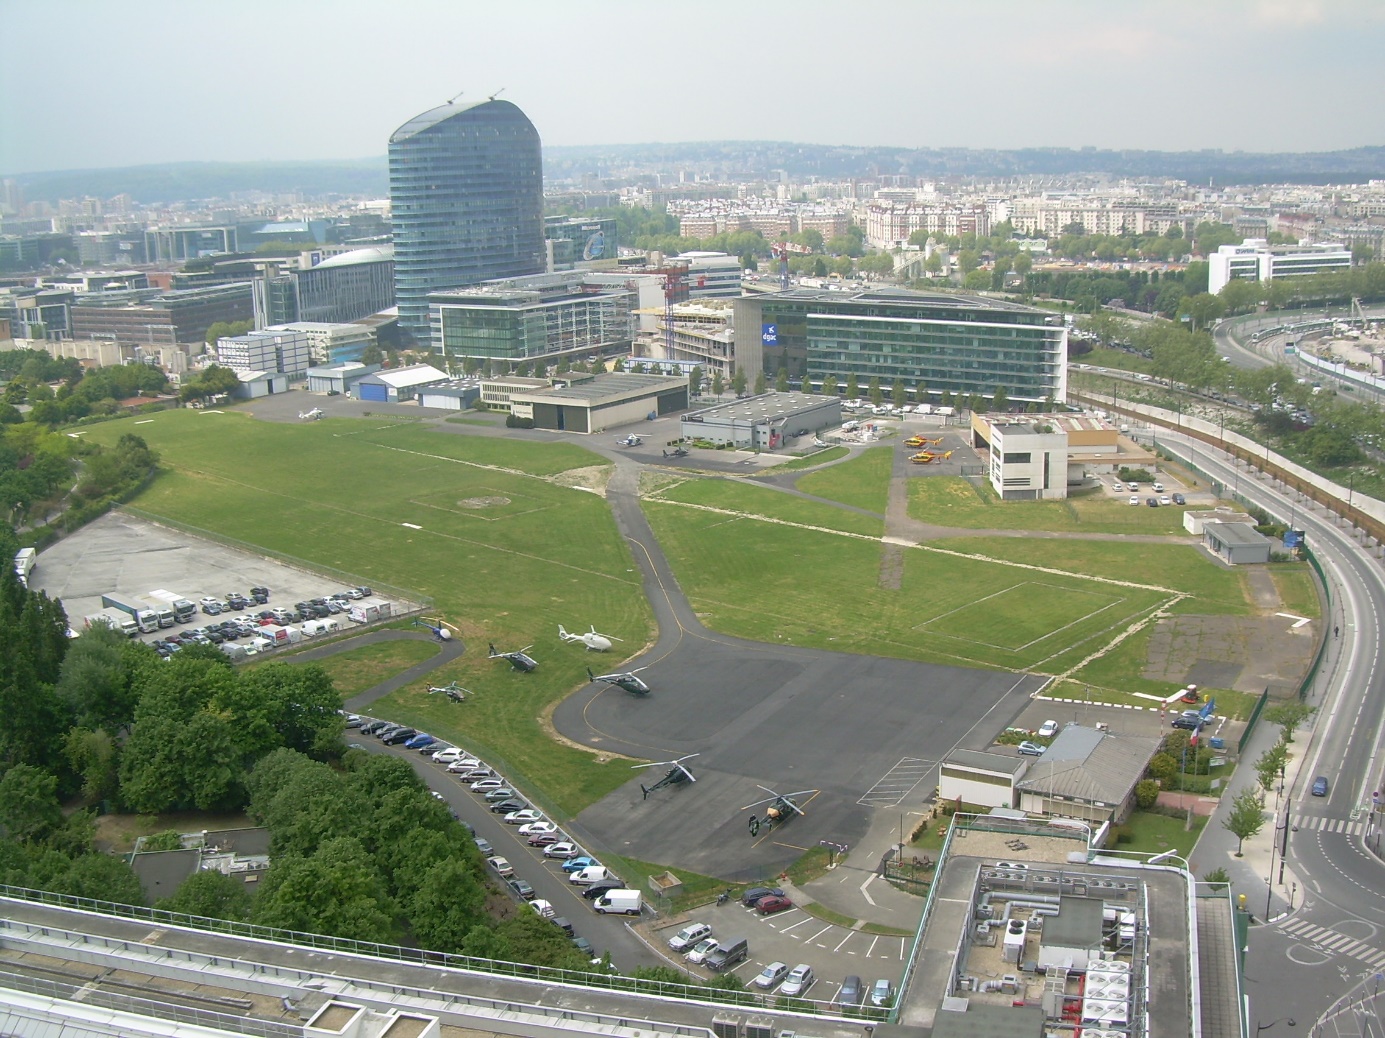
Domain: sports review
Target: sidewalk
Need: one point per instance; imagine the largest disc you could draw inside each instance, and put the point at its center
(1260, 874)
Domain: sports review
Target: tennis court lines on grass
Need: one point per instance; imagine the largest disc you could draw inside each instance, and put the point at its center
(1054, 602)
(897, 783)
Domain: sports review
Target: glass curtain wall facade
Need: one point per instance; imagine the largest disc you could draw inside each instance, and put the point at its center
(958, 345)
(523, 326)
(466, 190)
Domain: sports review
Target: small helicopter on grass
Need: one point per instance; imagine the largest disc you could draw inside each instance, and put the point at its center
(519, 659)
(593, 641)
(454, 691)
(676, 775)
(442, 630)
(782, 807)
(628, 680)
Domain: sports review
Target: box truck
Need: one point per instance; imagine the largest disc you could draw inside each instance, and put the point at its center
(140, 612)
(368, 611)
(184, 610)
(116, 620)
(24, 562)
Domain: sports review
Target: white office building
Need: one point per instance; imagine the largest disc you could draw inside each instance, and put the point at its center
(1255, 259)
(1029, 461)
(284, 352)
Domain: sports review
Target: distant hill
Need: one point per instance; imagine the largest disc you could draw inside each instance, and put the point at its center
(731, 160)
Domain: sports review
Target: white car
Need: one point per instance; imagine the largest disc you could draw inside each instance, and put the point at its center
(770, 976)
(1165, 500)
(544, 908)
(501, 866)
(535, 828)
(486, 785)
(1048, 729)
(561, 850)
(463, 764)
(1158, 488)
(701, 950)
(1119, 488)
(688, 936)
(523, 817)
(799, 980)
(1134, 499)
(447, 755)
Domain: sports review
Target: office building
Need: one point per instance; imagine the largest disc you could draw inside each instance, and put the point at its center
(341, 288)
(466, 194)
(934, 344)
(162, 319)
(711, 274)
(281, 352)
(330, 343)
(177, 244)
(572, 241)
(1255, 259)
(699, 333)
(546, 317)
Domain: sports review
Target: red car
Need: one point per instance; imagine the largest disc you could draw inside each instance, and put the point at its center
(773, 903)
(542, 839)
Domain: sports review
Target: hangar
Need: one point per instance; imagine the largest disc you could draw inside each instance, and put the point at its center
(602, 402)
(763, 422)
(397, 385)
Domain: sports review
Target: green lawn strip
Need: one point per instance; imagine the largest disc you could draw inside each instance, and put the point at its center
(1298, 589)
(864, 481)
(1182, 568)
(818, 911)
(1155, 833)
(953, 501)
(753, 499)
(739, 577)
(1119, 360)
(818, 457)
(356, 670)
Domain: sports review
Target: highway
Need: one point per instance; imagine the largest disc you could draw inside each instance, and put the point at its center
(1292, 966)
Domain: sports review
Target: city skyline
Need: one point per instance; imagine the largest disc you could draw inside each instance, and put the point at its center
(1253, 75)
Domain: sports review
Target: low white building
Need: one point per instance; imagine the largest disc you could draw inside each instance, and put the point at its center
(1029, 461)
(331, 343)
(1255, 259)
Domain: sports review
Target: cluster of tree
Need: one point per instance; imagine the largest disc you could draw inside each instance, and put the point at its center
(222, 329)
(212, 381)
(97, 392)
(36, 468)
(1365, 281)
(37, 366)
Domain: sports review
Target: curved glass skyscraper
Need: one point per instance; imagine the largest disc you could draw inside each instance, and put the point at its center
(466, 189)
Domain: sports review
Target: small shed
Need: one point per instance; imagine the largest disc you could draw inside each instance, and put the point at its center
(1236, 544)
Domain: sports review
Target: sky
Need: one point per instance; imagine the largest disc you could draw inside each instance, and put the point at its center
(95, 83)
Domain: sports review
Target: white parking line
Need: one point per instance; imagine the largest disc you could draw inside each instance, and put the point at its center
(872, 946)
(817, 935)
(844, 940)
(805, 919)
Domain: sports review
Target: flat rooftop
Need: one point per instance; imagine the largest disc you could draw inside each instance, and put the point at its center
(602, 387)
(769, 405)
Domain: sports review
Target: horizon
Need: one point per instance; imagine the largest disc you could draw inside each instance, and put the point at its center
(1149, 75)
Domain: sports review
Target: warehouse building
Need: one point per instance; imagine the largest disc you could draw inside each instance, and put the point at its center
(602, 402)
(457, 395)
(763, 422)
(338, 378)
(397, 385)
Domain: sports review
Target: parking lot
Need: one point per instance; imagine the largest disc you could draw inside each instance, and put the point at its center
(119, 554)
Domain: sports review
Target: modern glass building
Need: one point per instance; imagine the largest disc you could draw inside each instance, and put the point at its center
(345, 287)
(933, 343)
(466, 190)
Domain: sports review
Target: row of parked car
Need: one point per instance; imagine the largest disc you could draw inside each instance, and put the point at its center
(581, 868)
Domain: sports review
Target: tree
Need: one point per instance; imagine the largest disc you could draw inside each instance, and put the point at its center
(371, 355)
(695, 377)
(1247, 817)
(337, 891)
(1217, 876)
(781, 381)
(95, 757)
(210, 894)
(1289, 716)
(933, 263)
(1146, 793)
(853, 389)
(877, 395)
(977, 281)
(759, 382)
(95, 682)
(968, 260)
(29, 807)
(717, 384)
(878, 263)
(829, 385)
(1201, 309)
(999, 402)
(898, 396)
(738, 382)
(1023, 263)
(449, 902)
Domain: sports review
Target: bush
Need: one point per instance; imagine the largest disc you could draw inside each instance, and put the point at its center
(515, 422)
(1146, 793)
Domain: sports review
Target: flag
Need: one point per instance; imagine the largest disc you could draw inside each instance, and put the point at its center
(1192, 739)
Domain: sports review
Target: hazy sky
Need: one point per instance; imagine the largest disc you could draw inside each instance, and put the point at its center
(95, 83)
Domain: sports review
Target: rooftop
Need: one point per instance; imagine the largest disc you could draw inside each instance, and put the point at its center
(604, 386)
(768, 406)
(441, 114)
(1090, 765)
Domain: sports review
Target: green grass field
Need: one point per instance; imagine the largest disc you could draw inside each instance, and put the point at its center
(820, 457)
(504, 555)
(754, 499)
(953, 501)
(864, 481)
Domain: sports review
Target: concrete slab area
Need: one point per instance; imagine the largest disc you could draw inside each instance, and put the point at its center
(785, 718)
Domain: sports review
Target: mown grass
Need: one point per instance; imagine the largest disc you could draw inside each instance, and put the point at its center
(953, 501)
(356, 670)
(1154, 833)
(1298, 589)
(754, 499)
(336, 493)
(771, 583)
(820, 457)
(864, 481)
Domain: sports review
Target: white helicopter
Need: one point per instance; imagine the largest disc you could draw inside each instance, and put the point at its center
(313, 415)
(630, 441)
(593, 641)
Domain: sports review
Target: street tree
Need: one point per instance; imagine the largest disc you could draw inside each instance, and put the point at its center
(760, 382)
(739, 382)
(695, 377)
(877, 395)
(853, 388)
(898, 396)
(1247, 817)
(781, 381)
(829, 385)
(1289, 716)
(717, 383)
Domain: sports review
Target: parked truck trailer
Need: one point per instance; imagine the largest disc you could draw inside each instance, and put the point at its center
(141, 612)
(115, 619)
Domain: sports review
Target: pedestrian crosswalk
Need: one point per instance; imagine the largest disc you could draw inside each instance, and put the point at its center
(1329, 825)
(1336, 943)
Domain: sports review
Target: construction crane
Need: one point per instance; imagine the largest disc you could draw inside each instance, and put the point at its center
(780, 250)
(675, 280)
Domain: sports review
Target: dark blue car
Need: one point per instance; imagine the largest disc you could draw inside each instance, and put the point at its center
(419, 741)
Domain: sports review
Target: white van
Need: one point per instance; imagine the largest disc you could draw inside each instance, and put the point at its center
(851, 426)
(591, 874)
(620, 902)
